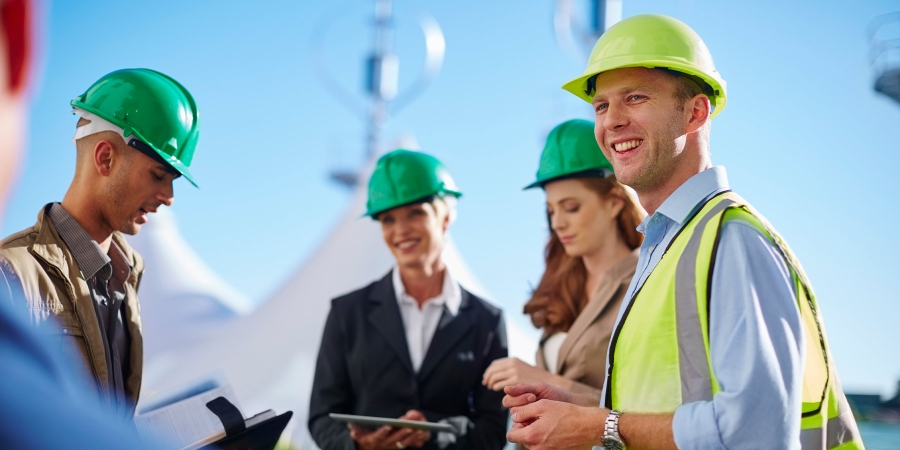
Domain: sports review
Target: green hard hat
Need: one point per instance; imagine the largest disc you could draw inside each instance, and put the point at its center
(653, 41)
(403, 176)
(571, 148)
(154, 108)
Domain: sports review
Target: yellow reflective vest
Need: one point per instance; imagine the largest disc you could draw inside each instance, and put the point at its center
(659, 353)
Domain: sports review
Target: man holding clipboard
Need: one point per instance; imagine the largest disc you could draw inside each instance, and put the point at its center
(414, 344)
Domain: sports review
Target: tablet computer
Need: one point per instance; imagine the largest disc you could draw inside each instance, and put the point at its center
(369, 421)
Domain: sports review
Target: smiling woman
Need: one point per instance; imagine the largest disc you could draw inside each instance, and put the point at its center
(414, 233)
(415, 343)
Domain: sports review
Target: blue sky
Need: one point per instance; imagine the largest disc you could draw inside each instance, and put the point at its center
(804, 137)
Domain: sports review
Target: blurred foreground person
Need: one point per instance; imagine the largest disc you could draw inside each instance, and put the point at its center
(42, 405)
(719, 343)
(590, 259)
(136, 134)
(414, 344)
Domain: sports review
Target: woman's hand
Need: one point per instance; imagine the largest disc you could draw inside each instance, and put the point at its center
(389, 438)
(510, 372)
(418, 438)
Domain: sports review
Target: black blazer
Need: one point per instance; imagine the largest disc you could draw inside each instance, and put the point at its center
(364, 368)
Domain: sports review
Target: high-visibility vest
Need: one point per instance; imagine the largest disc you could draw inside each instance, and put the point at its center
(659, 353)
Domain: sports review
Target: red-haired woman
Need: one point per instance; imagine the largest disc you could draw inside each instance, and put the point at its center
(590, 259)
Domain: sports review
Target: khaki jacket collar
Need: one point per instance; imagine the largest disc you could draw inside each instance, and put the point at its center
(48, 245)
(617, 277)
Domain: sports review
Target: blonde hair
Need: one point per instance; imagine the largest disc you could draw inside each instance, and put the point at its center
(447, 204)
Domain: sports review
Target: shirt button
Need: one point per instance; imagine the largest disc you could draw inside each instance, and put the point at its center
(652, 247)
(65, 331)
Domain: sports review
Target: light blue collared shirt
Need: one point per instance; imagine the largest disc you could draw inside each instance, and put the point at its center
(756, 337)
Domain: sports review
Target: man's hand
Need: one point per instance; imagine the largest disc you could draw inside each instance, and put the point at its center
(387, 438)
(523, 394)
(554, 425)
(505, 372)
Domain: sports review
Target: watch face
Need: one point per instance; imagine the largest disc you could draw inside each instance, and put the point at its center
(611, 443)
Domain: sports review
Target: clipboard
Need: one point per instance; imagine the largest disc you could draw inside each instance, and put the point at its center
(259, 435)
(396, 423)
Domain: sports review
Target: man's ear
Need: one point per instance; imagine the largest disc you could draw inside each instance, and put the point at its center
(104, 153)
(17, 36)
(697, 109)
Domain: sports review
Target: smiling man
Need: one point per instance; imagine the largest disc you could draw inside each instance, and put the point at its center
(136, 133)
(719, 342)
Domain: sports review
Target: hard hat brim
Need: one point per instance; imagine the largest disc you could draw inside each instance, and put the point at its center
(374, 212)
(588, 173)
(578, 86)
(179, 166)
(538, 183)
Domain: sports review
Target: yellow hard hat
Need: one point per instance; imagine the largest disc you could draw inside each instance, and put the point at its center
(653, 41)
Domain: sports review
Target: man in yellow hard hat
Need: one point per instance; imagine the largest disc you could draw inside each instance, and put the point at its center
(719, 343)
(136, 133)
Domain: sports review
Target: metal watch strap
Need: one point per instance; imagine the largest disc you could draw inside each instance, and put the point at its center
(611, 437)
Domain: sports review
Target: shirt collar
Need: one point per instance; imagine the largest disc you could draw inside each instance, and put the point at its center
(86, 251)
(682, 203)
(120, 267)
(450, 296)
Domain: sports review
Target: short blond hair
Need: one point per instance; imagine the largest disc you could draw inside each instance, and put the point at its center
(445, 205)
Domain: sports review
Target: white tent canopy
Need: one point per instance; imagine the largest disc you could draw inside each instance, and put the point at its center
(182, 299)
(269, 356)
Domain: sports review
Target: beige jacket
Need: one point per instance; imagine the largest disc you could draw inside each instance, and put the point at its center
(582, 357)
(54, 288)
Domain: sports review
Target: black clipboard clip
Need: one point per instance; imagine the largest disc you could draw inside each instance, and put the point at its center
(261, 436)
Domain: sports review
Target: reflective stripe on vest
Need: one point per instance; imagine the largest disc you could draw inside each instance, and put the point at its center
(838, 431)
(643, 357)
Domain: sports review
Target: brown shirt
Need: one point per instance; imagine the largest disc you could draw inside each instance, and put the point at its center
(582, 357)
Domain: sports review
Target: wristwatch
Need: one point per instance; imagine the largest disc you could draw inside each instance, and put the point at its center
(611, 439)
